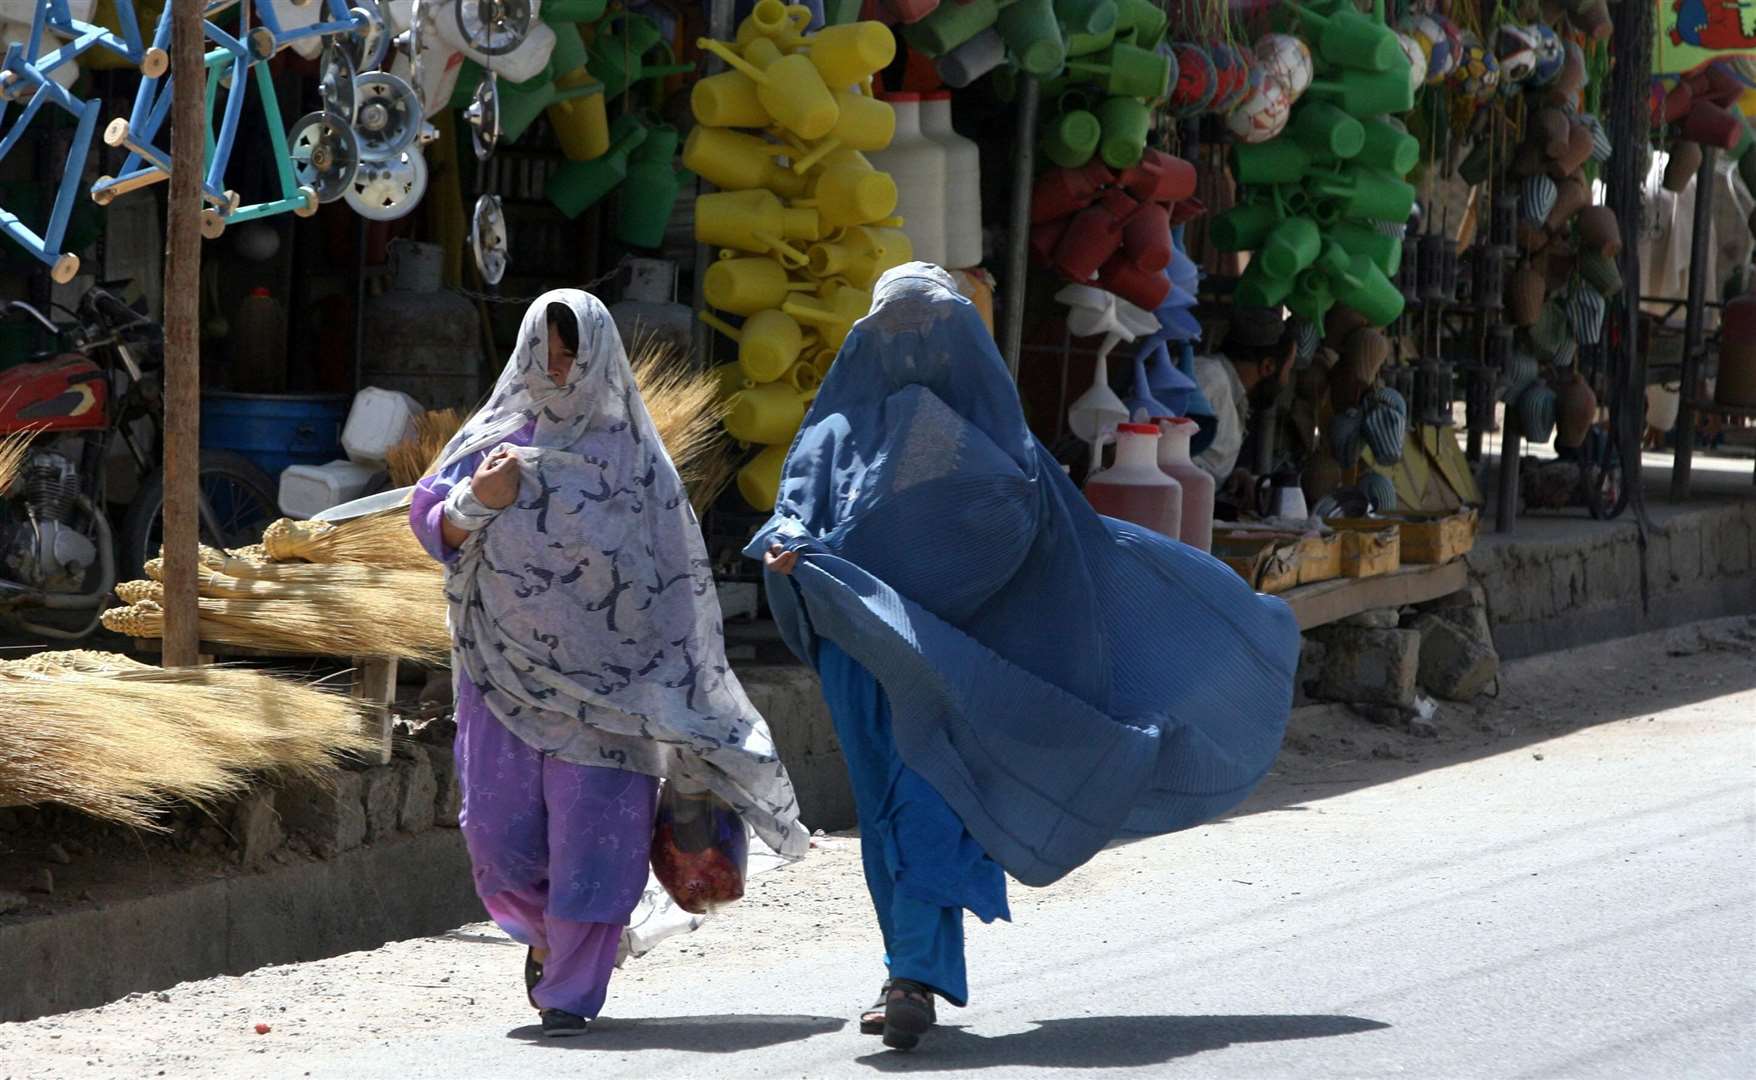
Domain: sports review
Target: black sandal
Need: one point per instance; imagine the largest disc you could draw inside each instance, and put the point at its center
(908, 1013)
(533, 974)
(872, 1020)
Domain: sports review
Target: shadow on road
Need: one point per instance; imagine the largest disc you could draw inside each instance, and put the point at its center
(697, 1034)
(1108, 1042)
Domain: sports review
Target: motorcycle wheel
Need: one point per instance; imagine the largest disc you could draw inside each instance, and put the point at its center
(243, 498)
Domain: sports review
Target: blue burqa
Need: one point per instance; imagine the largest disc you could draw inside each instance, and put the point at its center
(1062, 679)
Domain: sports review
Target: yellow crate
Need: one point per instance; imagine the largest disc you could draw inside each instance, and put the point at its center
(1370, 552)
(1270, 564)
(1427, 538)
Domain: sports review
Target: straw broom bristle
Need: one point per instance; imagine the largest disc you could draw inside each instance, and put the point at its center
(121, 740)
(13, 449)
(349, 621)
(686, 408)
(418, 455)
(383, 539)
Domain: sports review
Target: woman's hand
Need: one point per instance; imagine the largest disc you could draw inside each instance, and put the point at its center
(779, 561)
(495, 482)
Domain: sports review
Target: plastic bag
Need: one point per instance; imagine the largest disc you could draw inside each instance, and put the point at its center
(700, 848)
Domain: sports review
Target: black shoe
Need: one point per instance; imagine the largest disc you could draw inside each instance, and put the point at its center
(560, 1024)
(908, 1013)
(533, 974)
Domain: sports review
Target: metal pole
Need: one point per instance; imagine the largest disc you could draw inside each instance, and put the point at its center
(1018, 231)
(182, 302)
(720, 27)
(1699, 240)
(1506, 497)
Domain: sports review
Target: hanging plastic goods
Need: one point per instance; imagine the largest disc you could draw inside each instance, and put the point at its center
(1134, 489)
(918, 164)
(700, 848)
(963, 170)
(1195, 483)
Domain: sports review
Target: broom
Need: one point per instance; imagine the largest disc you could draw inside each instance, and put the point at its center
(686, 408)
(355, 622)
(121, 740)
(418, 455)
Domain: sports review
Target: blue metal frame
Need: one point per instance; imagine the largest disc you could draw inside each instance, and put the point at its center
(29, 71)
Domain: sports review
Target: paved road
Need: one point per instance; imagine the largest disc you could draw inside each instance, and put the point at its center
(1574, 906)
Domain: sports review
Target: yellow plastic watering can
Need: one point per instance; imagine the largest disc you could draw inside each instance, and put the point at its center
(824, 358)
(728, 99)
(852, 53)
(850, 193)
(766, 414)
(804, 377)
(734, 161)
(780, 23)
(732, 379)
(769, 343)
(859, 254)
(759, 481)
(834, 314)
(789, 87)
(745, 285)
(581, 123)
(754, 221)
(862, 123)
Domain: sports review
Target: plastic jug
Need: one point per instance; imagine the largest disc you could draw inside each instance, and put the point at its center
(308, 490)
(734, 161)
(578, 185)
(860, 254)
(579, 117)
(769, 343)
(963, 175)
(833, 314)
(754, 221)
(744, 286)
(759, 481)
(918, 165)
(846, 55)
(649, 194)
(259, 345)
(377, 421)
(1134, 488)
(950, 25)
(769, 413)
(788, 87)
(851, 193)
(1196, 528)
(863, 123)
(780, 23)
(728, 99)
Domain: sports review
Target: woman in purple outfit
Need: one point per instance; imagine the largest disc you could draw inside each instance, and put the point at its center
(587, 652)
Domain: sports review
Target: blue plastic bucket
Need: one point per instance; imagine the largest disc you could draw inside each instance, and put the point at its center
(275, 430)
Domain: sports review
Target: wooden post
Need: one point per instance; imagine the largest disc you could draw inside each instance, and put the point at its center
(182, 392)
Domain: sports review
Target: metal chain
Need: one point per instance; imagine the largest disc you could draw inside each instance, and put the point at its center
(526, 301)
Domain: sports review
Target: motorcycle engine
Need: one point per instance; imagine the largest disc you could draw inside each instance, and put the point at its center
(46, 551)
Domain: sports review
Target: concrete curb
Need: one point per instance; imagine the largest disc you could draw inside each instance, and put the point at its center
(404, 887)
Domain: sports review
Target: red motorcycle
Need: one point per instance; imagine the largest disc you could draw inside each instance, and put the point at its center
(92, 411)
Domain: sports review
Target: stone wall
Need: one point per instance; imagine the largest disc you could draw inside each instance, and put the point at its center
(1596, 582)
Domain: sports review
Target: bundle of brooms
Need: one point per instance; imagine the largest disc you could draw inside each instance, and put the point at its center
(122, 740)
(366, 587)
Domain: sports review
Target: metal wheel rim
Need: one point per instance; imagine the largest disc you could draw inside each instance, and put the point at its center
(368, 46)
(336, 79)
(402, 110)
(325, 155)
(388, 190)
(492, 27)
(483, 115)
(488, 240)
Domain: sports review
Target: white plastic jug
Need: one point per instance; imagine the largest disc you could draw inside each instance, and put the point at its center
(308, 490)
(917, 164)
(963, 183)
(378, 420)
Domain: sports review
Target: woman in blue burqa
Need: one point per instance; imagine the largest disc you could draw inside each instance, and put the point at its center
(1015, 681)
(588, 653)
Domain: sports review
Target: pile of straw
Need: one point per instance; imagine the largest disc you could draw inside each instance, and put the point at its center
(120, 740)
(418, 455)
(686, 408)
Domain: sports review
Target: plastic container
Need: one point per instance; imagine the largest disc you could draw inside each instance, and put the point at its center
(1134, 488)
(1196, 525)
(259, 345)
(378, 421)
(918, 165)
(308, 490)
(275, 430)
(963, 174)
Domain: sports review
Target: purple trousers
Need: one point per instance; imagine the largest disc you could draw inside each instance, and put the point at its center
(559, 851)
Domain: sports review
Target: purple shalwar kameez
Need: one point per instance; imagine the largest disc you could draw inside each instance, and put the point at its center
(559, 851)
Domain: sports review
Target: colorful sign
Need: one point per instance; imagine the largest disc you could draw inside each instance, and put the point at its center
(1692, 33)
